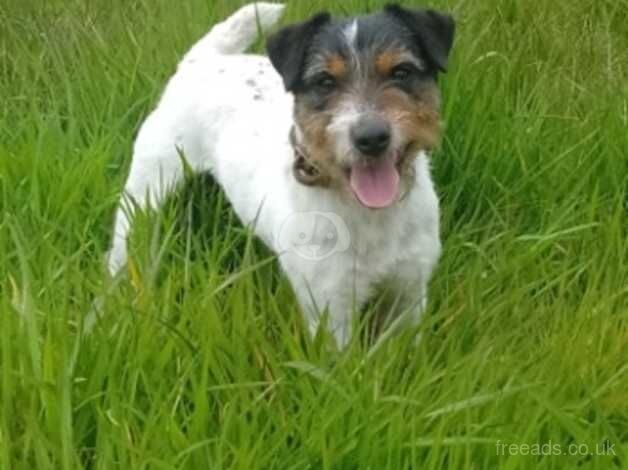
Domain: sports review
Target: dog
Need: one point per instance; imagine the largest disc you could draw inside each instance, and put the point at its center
(322, 148)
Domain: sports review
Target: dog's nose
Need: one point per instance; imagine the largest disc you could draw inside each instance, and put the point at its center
(371, 136)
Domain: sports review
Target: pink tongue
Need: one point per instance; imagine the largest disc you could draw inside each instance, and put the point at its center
(376, 184)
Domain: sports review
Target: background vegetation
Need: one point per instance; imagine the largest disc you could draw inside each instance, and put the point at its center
(201, 360)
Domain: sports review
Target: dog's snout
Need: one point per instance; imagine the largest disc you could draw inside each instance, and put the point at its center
(371, 136)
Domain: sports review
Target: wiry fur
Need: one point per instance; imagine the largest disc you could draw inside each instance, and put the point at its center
(229, 114)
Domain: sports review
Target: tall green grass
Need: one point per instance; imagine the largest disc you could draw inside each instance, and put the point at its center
(200, 359)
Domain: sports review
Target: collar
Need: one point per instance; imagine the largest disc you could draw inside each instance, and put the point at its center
(304, 169)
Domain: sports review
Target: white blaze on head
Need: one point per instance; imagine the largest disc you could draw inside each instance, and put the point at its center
(351, 33)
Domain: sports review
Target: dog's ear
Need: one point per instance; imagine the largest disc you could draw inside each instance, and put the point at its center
(287, 48)
(433, 30)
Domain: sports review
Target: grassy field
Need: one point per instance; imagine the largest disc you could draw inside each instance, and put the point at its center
(200, 359)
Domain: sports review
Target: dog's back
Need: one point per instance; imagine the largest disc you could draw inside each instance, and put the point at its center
(203, 112)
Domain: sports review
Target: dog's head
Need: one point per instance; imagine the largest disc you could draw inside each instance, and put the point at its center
(366, 99)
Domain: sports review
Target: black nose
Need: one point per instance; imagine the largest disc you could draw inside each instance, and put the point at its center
(371, 136)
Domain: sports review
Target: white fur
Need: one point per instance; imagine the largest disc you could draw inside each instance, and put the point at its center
(351, 33)
(334, 251)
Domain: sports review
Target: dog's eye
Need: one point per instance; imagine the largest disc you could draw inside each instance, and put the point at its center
(325, 82)
(402, 72)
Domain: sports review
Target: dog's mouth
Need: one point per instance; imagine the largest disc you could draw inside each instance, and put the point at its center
(376, 182)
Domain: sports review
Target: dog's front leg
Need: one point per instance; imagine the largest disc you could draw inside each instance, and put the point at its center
(337, 311)
(329, 296)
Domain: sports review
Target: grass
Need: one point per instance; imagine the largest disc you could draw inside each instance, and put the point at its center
(201, 359)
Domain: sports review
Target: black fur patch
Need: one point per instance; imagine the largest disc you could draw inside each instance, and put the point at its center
(433, 31)
(288, 47)
(427, 33)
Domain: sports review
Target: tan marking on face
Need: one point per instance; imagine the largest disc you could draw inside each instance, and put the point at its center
(337, 66)
(415, 118)
(386, 62)
(317, 143)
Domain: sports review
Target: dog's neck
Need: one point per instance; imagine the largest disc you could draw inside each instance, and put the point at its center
(304, 169)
